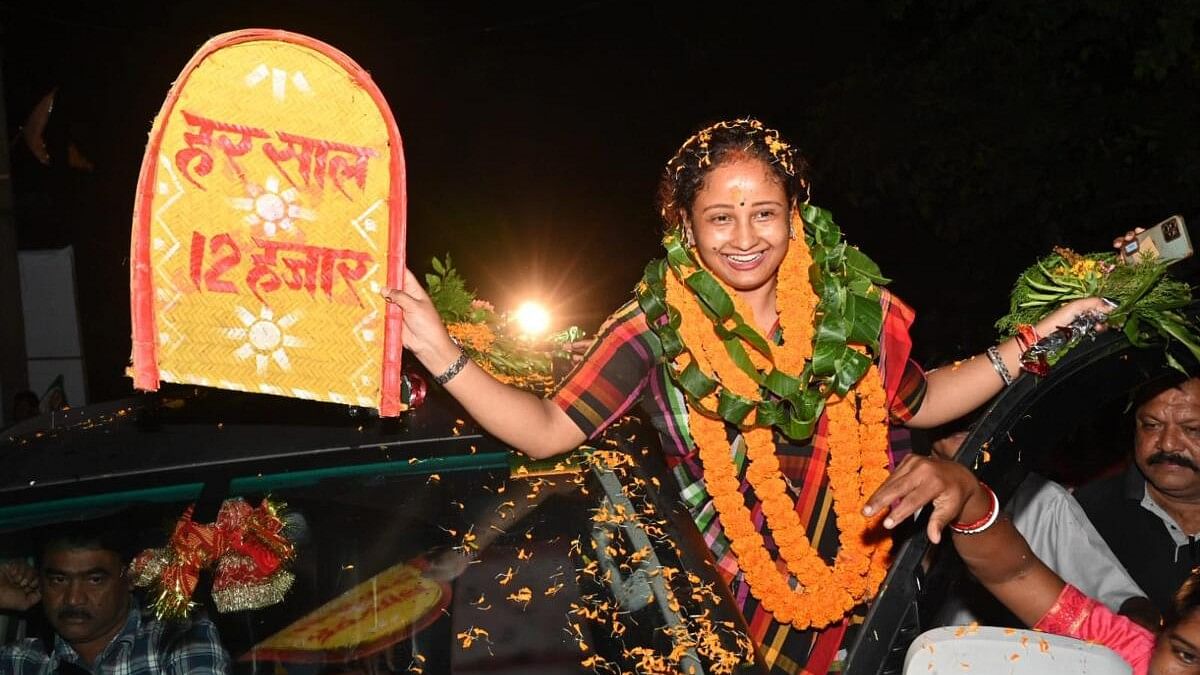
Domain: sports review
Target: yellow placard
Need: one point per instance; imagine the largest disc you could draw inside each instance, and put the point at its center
(269, 216)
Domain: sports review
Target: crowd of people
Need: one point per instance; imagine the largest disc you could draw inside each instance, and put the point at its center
(772, 363)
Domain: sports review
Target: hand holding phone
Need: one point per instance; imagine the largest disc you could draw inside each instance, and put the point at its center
(1167, 241)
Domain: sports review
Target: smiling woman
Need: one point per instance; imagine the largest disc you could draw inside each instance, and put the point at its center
(738, 224)
(770, 360)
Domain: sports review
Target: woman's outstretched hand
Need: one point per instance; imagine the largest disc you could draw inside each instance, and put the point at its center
(953, 490)
(999, 558)
(529, 423)
(424, 333)
(1067, 313)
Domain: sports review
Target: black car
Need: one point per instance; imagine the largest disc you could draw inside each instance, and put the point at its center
(424, 545)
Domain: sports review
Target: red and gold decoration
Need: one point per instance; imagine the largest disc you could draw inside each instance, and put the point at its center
(246, 545)
(732, 374)
(270, 213)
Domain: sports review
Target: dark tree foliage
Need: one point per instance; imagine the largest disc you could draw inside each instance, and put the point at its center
(955, 142)
(980, 134)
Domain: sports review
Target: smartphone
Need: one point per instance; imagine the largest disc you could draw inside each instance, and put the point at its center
(1168, 241)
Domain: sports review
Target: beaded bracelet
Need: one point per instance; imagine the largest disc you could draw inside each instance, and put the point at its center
(983, 523)
(993, 355)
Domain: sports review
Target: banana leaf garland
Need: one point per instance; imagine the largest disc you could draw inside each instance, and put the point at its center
(848, 313)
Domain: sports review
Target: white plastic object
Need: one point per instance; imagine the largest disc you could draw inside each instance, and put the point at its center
(990, 650)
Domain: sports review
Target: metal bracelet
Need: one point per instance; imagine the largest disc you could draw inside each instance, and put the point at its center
(454, 369)
(993, 354)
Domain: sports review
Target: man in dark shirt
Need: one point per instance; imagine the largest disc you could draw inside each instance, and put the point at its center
(1150, 515)
(84, 591)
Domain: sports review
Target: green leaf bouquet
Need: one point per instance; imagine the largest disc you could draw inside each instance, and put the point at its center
(1149, 304)
(487, 336)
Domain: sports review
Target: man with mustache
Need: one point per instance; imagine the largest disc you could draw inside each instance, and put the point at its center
(1150, 515)
(98, 625)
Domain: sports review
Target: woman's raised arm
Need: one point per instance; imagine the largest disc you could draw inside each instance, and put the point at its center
(953, 391)
(533, 425)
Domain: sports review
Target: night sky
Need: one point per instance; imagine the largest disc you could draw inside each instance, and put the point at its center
(952, 145)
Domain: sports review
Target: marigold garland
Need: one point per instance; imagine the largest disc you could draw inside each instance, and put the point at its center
(858, 462)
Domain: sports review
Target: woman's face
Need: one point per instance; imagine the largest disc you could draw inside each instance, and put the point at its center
(739, 223)
(1178, 650)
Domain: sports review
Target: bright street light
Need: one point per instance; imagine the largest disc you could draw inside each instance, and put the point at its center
(532, 318)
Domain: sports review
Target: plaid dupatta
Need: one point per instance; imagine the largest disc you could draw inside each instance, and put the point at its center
(622, 368)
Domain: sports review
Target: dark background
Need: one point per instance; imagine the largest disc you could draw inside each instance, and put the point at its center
(953, 144)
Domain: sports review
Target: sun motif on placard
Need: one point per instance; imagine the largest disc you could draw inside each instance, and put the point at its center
(271, 209)
(265, 338)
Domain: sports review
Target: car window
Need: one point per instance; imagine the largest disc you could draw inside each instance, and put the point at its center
(445, 555)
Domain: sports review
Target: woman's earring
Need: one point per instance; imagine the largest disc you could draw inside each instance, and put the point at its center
(792, 232)
(687, 238)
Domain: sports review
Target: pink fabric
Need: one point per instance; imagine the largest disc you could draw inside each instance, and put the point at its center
(1076, 615)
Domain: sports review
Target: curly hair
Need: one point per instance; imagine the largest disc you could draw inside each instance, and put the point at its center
(723, 142)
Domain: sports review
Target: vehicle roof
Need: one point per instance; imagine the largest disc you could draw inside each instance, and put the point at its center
(169, 444)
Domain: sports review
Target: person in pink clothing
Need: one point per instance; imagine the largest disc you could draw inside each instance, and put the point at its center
(1000, 558)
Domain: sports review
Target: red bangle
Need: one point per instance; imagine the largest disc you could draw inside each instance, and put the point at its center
(983, 523)
(1027, 337)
